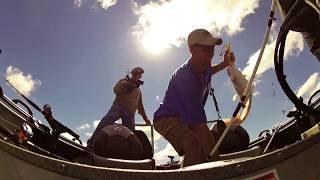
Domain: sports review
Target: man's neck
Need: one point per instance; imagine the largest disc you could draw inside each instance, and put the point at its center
(133, 79)
(197, 66)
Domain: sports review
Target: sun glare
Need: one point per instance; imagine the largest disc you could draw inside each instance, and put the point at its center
(154, 44)
(166, 24)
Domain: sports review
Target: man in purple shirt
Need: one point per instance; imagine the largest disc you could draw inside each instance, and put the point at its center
(181, 117)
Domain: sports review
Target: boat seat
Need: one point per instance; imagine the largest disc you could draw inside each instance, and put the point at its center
(124, 164)
(252, 152)
(96, 160)
(311, 132)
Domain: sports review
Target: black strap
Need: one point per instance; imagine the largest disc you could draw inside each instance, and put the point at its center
(215, 101)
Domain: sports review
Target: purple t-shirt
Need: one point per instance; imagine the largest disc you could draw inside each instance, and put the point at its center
(186, 95)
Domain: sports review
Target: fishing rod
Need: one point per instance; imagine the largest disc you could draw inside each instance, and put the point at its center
(56, 126)
(248, 88)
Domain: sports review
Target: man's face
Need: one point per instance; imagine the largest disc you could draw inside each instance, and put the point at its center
(136, 77)
(203, 53)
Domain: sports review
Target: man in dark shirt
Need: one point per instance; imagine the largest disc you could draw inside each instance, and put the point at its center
(181, 117)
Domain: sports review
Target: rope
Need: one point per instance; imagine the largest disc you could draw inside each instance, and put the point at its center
(215, 102)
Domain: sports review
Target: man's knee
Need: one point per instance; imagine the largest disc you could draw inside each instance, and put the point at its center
(191, 145)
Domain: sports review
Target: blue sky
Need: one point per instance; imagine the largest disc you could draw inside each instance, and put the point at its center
(70, 54)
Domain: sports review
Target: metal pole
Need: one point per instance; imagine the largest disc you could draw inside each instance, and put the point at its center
(152, 138)
(152, 134)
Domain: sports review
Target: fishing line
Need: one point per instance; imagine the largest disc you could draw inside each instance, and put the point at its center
(273, 90)
(276, 129)
(248, 88)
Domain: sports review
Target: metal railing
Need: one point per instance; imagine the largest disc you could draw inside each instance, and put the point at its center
(151, 131)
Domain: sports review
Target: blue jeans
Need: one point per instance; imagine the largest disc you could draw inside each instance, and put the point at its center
(115, 113)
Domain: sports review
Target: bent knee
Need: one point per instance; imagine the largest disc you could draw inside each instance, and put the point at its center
(191, 145)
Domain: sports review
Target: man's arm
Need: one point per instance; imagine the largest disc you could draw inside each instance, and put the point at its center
(228, 60)
(218, 67)
(124, 86)
(120, 87)
(141, 110)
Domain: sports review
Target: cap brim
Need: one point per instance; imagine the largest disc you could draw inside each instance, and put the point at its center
(211, 41)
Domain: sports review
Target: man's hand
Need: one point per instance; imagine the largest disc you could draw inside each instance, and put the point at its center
(120, 87)
(228, 59)
(130, 87)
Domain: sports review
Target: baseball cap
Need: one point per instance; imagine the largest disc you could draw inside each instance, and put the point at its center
(137, 70)
(202, 37)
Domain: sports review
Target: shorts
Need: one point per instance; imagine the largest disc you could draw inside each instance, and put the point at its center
(176, 132)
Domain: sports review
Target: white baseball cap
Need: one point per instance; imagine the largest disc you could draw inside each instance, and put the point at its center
(202, 37)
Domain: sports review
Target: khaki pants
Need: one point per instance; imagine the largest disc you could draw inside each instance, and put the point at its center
(195, 141)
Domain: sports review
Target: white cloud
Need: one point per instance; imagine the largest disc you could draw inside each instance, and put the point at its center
(77, 3)
(83, 127)
(105, 4)
(23, 82)
(87, 128)
(266, 62)
(88, 134)
(294, 45)
(310, 86)
(164, 23)
(95, 123)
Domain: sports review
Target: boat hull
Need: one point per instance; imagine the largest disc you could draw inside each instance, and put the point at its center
(297, 161)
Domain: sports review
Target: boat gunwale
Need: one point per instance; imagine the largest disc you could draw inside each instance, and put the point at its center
(227, 170)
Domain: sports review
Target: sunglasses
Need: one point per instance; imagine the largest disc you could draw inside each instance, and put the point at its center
(206, 48)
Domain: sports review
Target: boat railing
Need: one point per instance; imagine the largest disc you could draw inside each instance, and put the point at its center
(151, 133)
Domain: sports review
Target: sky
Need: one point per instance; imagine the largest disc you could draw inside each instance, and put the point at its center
(70, 54)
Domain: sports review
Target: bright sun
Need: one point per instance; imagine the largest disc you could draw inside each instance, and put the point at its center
(153, 43)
